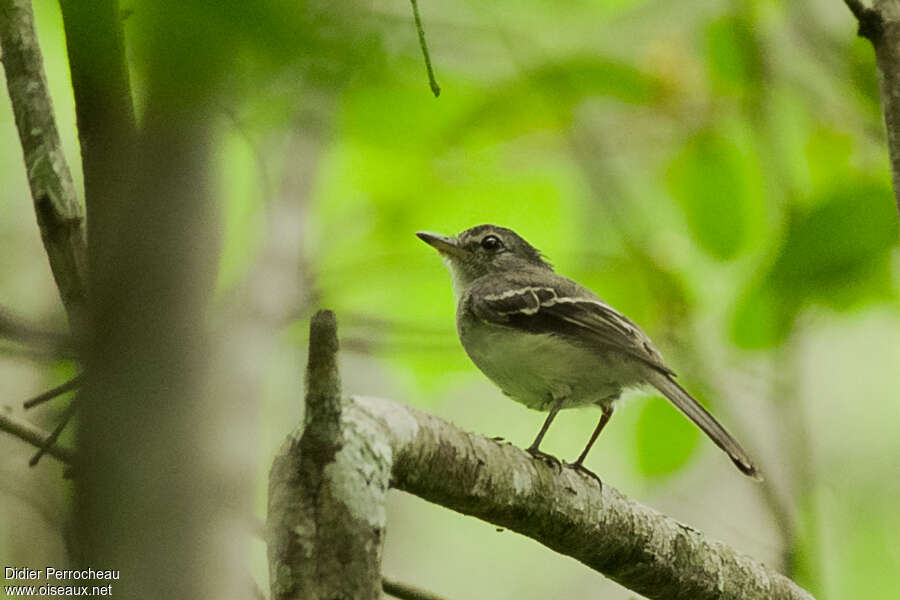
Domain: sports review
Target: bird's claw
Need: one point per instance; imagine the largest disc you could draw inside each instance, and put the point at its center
(583, 469)
(547, 458)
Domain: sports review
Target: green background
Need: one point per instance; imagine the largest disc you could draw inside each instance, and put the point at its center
(716, 170)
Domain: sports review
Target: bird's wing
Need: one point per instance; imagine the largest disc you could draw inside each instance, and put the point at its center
(569, 310)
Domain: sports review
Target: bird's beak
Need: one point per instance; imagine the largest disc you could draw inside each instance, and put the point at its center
(447, 246)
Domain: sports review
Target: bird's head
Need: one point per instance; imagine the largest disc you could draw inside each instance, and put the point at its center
(483, 250)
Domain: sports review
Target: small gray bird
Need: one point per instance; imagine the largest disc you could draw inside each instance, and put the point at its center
(551, 343)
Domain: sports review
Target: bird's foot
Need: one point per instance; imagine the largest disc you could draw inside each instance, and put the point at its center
(583, 469)
(547, 458)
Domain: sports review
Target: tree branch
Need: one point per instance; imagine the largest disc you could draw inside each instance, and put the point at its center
(327, 491)
(59, 214)
(641, 549)
(52, 393)
(50, 441)
(35, 436)
(103, 110)
(870, 23)
(147, 361)
(880, 24)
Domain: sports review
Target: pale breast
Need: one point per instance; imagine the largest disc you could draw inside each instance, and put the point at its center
(538, 369)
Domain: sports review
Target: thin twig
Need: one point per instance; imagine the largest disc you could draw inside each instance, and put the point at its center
(35, 436)
(405, 591)
(435, 88)
(53, 393)
(50, 441)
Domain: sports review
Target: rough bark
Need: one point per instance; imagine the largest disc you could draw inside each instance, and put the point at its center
(632, 544)
(887, 52)
(60, 216)
(327, 488)
(880, 24)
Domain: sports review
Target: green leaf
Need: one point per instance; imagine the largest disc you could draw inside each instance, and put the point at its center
(762, 318)
(732, 54)
(836, 246)
(715, 179)
(827, 156)
(836, 253)
(545, 97)
(583, 76)
(665, 438)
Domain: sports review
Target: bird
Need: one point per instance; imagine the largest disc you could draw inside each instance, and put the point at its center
(550, 343)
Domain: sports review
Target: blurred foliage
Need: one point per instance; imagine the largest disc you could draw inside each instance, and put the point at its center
(837, 253)
(732, 54)
(682, 159)
(717, 183)
(665, 439)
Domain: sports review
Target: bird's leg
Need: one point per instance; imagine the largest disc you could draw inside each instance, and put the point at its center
(533, 448)
(604, 419)
(578, 465)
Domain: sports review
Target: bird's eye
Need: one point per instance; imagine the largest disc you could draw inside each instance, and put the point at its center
(491, 242)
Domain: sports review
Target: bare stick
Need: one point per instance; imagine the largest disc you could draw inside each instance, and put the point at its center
(34, 435)
(432, 81)
(405, 591)
(50, 441)
(53, 393)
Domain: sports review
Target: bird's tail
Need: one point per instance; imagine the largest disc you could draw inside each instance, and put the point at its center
(705, 421)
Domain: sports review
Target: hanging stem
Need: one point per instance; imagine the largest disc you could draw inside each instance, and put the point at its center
(435, 88)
